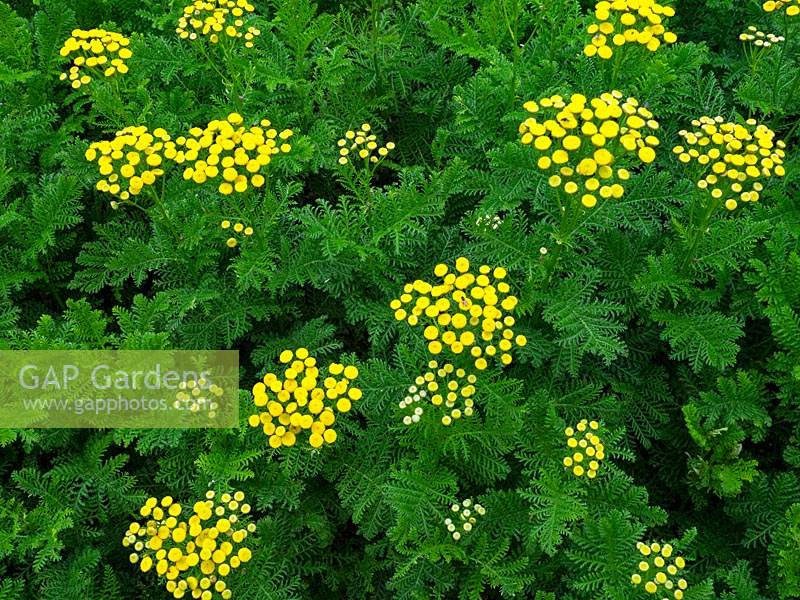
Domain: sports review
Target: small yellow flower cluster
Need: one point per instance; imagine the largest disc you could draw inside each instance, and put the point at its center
(223, 145)
(590, 445)
(442, 385)
(299, 402)
(466, 518)
(737, 156)
(98, 52)
(759, 38)
(617, 20)
(195, 555)
(582, 141)
(655, 556)
(792, 6)
(131, 161)
(470, 310)
(196, 395)
(238, 228)
(211, 18)
(364, 144)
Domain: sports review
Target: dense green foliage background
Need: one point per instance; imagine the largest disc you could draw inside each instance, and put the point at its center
(693, 366)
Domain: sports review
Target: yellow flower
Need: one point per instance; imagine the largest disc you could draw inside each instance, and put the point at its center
(792, 6)
(190, 553)
(586, 144)
(621, 22)
(585, 449)
(297, 403)
(446, 387)
(97, 53)
(759, 38)
(131, 161)
(467, 313)
(464, 518)
(364, 144)
(238, 228)
(226, 149)
(662, 573)
(735, 158)
(212, 18)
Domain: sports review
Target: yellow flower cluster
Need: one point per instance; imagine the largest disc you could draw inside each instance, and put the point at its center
(580, 142)
(628, 21)
(466, 312)
(196, 395)
(792, 6)
(299, 402)
(466, 518)
(227, 149)
(759, 38)
(737, 157)
(238, 228)
(442, 386)
(589, 445)
(212, 18)
(364, 144)
(99, 52)
(664, 572)
(131, 161)
(195, 555)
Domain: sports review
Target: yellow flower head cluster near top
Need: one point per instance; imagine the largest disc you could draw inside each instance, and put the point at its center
(213, 18)
(226, 148)
(588, 451)
(585, 145)
(465, 312)
(98, 52)
(364, 144)
(737, 157)
(759, 38)
(193, 555)
(623, 22)
(131, 161)
(239, 228)
(467, 515)
(443, 386)
(659, 571)
(792, 6)
(298, 402)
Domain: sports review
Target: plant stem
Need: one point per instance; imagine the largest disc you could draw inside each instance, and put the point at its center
(570, 213)
(696, 231)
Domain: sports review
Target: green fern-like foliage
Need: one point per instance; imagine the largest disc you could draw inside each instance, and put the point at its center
(675, 328)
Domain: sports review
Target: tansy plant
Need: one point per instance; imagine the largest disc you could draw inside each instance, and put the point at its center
(587, 146)
(228, 152)
(660, 571)
(465, 516)
(620, 22)
(217, 20)
(132, 161)
(734, 159)
(446, 387)
(790, 7)
(192, 553)
(465, 313)
(237, 228)
(95, 53)
(759, 38)
(195, 395)
(586, 449)
(300, 403)
(360, 154)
